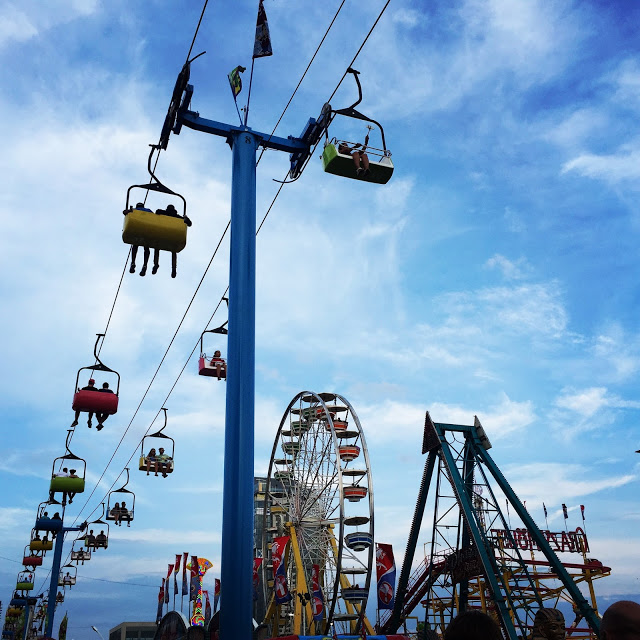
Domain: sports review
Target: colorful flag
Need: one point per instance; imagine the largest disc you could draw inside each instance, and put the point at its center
(185, 587)
(207, 609)
(166, 591)
(236, 81)
(257, 562)
(160, 603)
(386, 576)
(318, 599)
(278, 549)
(564, 511)
(545, 510)
(262, 44)
(62, 633)
(582, 511)
(216, 595)
(176, 568)
(193, 594)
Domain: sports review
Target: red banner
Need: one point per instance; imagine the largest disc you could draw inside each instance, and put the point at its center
(278, 549)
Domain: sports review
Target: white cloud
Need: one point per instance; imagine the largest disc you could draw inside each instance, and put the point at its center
(612, 168)
(510, 270)
(587, 402)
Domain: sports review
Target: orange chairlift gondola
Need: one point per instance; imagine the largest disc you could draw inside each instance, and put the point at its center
(97, 534)
(101, 400)
(120, 511)
(68, 578)
(157, 459)
(164, 230)
(67, 480)
(338, 155)
(215, 367)
(80, 555)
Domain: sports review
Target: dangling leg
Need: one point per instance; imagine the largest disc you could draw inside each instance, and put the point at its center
(101, 417)
(143, 271)
(156, 257)
(134, 253)
(174, 263)
(89, 420)
(365, 163)
(75, 421)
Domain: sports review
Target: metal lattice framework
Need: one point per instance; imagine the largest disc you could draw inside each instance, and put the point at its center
(475, 559)
(319, 493)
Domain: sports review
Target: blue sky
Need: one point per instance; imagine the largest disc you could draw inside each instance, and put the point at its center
(494, 275)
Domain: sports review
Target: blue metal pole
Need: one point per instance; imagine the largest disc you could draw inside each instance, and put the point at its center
(53, 584)
(237, 518)
(26, 621)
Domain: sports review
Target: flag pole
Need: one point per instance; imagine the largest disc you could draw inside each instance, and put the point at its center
(246, 112)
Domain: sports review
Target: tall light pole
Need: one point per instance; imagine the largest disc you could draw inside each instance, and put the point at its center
(96, 630)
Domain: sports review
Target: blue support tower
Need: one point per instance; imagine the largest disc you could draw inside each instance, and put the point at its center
(55, 574)
(237, 525)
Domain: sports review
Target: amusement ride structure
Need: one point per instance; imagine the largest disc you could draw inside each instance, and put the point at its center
(319, 496)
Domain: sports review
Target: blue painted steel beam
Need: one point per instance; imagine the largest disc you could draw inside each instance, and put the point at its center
(55, 575)
(192, 120)
(237, 518)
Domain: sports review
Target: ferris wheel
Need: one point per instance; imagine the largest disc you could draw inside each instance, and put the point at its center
(318, 520)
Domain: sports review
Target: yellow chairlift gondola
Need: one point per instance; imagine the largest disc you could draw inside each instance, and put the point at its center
(157, 459)
(356, 160)
(40, 544)
(164, 230)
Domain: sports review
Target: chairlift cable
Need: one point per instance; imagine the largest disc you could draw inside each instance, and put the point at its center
(326, 33)
(156, 373)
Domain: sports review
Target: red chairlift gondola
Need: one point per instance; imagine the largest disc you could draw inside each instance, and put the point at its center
(120, 511)
(91, 399)
(67, 480)
(98, 540)
(157, 460)
(30, 559)
(215, 367)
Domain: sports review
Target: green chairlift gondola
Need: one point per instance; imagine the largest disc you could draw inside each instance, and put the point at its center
(337, 156)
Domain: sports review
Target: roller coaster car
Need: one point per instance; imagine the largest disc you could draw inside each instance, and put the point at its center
(341, 164)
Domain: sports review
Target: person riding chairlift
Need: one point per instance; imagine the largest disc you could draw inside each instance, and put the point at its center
(360, 158)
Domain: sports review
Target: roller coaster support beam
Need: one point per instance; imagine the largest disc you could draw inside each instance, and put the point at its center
(554, 563)
(237, 506)
(396, 616)
(55, 576)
